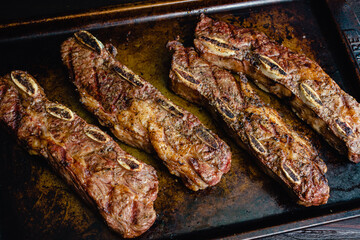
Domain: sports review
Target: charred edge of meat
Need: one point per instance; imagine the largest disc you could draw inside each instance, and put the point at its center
(130, 163)
(224, 109)
(89, 40)
(168, 106)
(185, 76)
(96, 134)
(269, 67)
(60, 111)
(256, 145)
(205, 136)
(343, 128)
(309, 95)
(25, 82)
(290, 174)
(128, 76)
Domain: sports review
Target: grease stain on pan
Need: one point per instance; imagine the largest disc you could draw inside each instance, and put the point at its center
(49, 201)
(276, 25)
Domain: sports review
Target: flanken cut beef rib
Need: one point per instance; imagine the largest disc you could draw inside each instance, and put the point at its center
(120, 187)
(282, 153)
(139, 115)
(312, 94)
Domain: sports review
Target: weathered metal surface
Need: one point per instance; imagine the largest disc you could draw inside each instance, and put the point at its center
(346, 14)
(36, 204)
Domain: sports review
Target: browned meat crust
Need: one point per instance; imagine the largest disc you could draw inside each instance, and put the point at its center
(312, 94)
(259, 129)
(122, 188)
(139, 115)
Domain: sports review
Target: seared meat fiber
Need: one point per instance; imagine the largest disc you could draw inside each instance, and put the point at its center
(139, 115)
(259, 129)
(121, 187)
(312, 94)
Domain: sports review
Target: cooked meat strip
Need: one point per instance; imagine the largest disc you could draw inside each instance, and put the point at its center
(258, 128)
(122, 188)
(312, 94)
(139, 115)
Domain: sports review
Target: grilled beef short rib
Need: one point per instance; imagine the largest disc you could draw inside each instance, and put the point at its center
(312, 94)
(139, 115)
(120, 187)
(258, 128)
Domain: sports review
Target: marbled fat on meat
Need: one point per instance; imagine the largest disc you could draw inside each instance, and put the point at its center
(282, 153)
(139, 115)
(313, 95)
(86, 157)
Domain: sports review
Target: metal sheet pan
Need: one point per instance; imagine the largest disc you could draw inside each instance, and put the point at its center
(36, 204)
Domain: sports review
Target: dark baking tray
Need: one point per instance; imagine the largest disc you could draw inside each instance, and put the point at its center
(36, 204)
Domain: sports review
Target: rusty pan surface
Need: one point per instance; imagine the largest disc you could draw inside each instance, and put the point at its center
(37, 204)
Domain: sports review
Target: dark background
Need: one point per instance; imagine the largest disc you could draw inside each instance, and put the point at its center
(23, 10)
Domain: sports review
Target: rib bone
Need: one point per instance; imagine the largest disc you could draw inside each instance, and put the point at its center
(25, 82)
